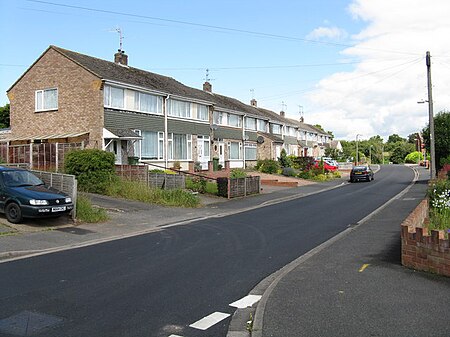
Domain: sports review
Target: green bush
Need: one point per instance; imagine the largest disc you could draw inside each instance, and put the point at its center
(196, 184)
(237, 173)
(288, 172)
(267, 166)
(305, 174)
(439, 201)
(283, 160)
(414, 157)
(93, 168)
(303, 163)
(320, 177)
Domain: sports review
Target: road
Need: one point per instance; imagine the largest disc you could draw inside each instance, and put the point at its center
(160, 283)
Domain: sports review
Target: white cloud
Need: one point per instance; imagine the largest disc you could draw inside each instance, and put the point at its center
(380, 95)
(332, 33)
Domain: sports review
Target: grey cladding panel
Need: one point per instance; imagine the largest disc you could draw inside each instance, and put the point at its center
(226, 133)
(185, 127)
(290, 140)
(127, 120)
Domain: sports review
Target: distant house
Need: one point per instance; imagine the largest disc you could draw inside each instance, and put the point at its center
(68, 97)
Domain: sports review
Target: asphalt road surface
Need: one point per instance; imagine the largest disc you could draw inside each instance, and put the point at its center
(164, 283)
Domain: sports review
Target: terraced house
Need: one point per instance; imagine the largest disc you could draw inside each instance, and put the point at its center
(67, 97)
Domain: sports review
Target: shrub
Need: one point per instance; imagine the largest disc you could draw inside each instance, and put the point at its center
(320, 177)
(288, 172)
(283, 160)
(158, 171)
(196, 184)
(414, 157)
(93, 168)
(305, 174)
(237, 173)
(267, 166)
(303, 163)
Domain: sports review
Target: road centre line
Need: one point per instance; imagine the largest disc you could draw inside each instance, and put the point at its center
(210, 320)
(175, 336)
(364, 266)
(246, 302)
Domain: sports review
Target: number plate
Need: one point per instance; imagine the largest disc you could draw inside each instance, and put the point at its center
(59, 209)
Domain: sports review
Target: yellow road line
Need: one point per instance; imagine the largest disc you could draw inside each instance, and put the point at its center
(364, 266)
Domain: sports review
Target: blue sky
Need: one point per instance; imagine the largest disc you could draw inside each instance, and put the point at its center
(353, 66)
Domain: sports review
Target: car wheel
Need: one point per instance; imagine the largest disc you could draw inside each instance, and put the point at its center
(13, 213)
(368, 178)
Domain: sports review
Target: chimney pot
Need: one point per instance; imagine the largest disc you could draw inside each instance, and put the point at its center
(254, 103)
(207, 87)
(282, 113)
(121, 58)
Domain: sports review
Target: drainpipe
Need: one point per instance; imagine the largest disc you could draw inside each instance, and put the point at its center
(166, 135)
(243, 140)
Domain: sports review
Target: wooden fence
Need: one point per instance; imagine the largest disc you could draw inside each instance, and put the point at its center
(154, 180)
(238, 187)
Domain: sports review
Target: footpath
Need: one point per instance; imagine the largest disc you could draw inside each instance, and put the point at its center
(355, 285)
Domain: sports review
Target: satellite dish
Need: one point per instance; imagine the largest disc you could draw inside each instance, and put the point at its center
(260, 139)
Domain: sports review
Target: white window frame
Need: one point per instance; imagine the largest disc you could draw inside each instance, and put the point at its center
(188, 147)
(42, 93)
(200, 107)
(188, 110)
(239, 150)
(248, 145)
(252, 125)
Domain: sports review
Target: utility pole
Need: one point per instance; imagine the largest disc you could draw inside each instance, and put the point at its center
(431, 118)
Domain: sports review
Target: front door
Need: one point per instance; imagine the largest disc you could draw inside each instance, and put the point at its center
(222, 154)
(203, 151)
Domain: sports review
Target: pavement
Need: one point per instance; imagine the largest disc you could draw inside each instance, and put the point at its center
(352, 285)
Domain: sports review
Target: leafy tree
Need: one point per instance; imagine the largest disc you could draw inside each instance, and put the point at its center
(4, 116)
(412, 138)
(318, 126)
(400, 151)
(441, 136)
(394, 138)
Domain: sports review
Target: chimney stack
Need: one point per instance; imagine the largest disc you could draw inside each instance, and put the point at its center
(121, 58)
(282, 113)
(301, 119)
(253, 103)
(207, 87)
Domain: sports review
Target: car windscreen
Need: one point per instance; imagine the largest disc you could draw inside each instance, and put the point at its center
(20, 178)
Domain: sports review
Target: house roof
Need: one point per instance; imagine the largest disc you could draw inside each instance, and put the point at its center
(274, 138)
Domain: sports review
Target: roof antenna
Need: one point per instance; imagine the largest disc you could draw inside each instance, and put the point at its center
(253, 93)
(119, 30)
(207, 78)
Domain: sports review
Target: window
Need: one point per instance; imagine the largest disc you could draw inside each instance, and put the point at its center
(46, 99)
(151, 146)
(291, 131)
(180, 146)
(235, 150)
(147, 103)
(179, 108)
(202, 112)
(250, 123)
(276, 128)
(262, 125)
(113, 97)
(234, 120)
(250, 151)
(218, 118)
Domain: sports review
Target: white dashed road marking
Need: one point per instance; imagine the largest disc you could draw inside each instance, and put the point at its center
(209, 321)
(175, 336)
(246, 301)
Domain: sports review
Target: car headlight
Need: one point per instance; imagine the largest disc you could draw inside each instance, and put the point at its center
(35, 202)
(68, 200)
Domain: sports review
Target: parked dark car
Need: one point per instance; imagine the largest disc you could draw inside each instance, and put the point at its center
(363, 172)
(22, 194)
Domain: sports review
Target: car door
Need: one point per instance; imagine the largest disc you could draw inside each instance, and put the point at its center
(3, 194)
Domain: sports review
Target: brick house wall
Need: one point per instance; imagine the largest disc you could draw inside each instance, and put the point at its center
(80, 100)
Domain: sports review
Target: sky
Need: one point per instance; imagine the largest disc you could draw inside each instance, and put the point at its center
(352, 66)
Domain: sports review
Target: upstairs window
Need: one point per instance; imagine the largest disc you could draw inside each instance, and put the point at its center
(46, 99)
(113, 97)
(250, 123)
(234, 120)
(262, 125)
(147, 103)
(202, 112)
(180, 109)
(276, 129)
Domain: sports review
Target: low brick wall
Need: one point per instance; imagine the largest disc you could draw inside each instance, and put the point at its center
(421, 251)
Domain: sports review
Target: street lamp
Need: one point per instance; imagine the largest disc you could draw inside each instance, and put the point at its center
(356, 163)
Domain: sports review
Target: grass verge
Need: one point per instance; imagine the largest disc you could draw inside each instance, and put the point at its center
(137, 191)
(87, 213)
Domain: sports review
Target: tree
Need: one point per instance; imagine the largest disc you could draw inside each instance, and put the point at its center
(394, 138)
(4, 116)
(400, 151)
(441, 137)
